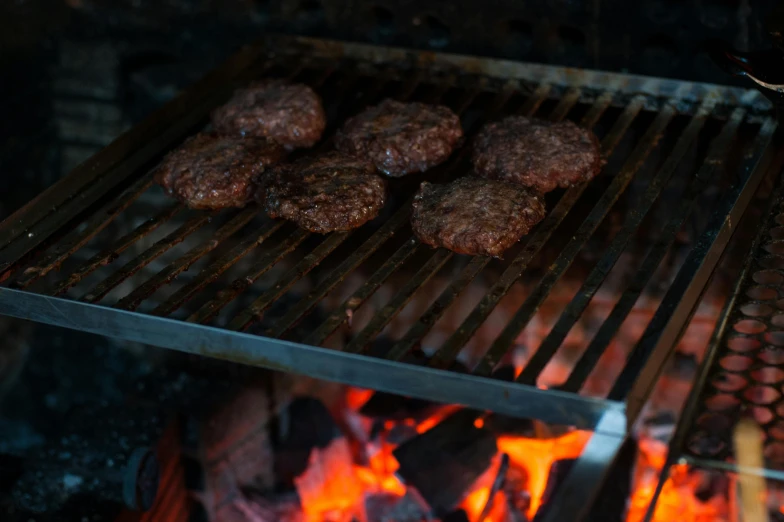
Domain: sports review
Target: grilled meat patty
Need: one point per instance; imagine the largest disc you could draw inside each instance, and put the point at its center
(536, 153)
(475, 216)
(213, 171)
(401, 138)
(290, 114)
(324, 193)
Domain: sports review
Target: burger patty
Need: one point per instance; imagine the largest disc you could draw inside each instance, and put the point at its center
(401, 138)
(537, 153)
(324, 193)
(475, 216)
(213, 171)
(290, 114)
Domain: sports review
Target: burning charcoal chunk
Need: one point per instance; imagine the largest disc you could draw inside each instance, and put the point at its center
(396, 407)
(443, 462)
(456, 516)
(307, 424)
(385, 507)
(558, 472)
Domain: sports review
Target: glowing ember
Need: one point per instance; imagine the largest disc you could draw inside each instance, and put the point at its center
(335, 488)
(536, 456)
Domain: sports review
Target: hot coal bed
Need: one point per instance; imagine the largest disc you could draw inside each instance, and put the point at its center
(93, 429)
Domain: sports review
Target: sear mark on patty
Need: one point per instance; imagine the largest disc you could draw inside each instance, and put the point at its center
(290, 114)
(325, 193)
(537, 153)
(401, 138)
(475, 216)
(209, 171)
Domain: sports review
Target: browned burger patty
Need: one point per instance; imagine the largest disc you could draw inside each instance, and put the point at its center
(325, 193)
(401, 138)
(212, 171)
(290, 114)
(475, 216)
(537, 153)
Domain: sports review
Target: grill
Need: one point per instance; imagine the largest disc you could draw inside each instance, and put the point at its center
(66, 261)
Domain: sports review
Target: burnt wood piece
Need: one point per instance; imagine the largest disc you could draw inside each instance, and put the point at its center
(456, 516)
(611, 500)
(307, 424)
(443, 462)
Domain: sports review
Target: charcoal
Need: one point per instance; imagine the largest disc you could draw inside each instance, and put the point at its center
(458, 515)
(309, 425)
(443, 462)
(384, 507)
(386, 406)
(558, 473)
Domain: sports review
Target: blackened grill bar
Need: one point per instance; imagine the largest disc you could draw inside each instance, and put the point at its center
(45, 246)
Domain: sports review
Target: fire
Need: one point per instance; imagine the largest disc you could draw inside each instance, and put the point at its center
(334, 486)
(536, 456)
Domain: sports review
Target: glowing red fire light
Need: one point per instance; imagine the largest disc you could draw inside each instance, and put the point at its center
(334, 483)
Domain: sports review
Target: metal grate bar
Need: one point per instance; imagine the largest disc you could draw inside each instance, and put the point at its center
(591, 285)
(212, 272)
(79, 237)
(107, 159)
(570, 251)
(383, 316)
(334, 278)
(544, 230)
(146, 257)
(253, 313)
(265, 264)
(370, 286)
(135, 298)
(475, 266)
(650, 264)
(106, 256)
(665, 328)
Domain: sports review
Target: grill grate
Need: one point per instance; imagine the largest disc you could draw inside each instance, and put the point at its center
(223, 273)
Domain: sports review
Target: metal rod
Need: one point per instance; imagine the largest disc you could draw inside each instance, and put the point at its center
(568, 254)
(582, 485)
(218, 267)
(382, 317)
(591, 285)
(426, 321)
(650, 264)
(128, 144)
(165, 276)
(356, 258)
(79, 237)
(142, 159)
(107, 255)
(332, 365)
(147, 257)
(660, 337)
(453, 345)
(368, 288)
(253, 313)
(264, 265)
